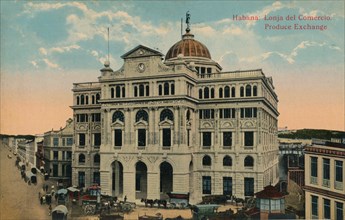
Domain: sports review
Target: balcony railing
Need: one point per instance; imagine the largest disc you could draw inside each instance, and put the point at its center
(326, 182)
(313, 180)
(338, 185)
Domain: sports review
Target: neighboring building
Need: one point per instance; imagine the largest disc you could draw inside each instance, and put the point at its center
(181, 124)
(324, 180)
(57, 147)
(40, 156)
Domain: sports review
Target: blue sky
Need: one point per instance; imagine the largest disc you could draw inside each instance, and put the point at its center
(48, 45)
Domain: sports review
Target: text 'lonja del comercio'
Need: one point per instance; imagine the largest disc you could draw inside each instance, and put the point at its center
(288, 18)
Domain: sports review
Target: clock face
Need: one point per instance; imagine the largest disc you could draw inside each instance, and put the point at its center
(141, 67)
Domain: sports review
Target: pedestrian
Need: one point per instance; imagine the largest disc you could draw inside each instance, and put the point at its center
(41, 200)
(50, 209)
(125, 199)
(46, 188)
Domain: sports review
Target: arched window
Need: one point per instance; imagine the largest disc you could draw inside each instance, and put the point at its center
(242, 91)
(248, 90)
(167, 113)
(220, 92)
(112, 92)
(206, 93)
(226, 92)
(233, 92)
(172, 89)
(227, 161)
(147, 90)
(118, 115)
(96, 159)
(212, 92)
(81, 158)
(188, 115)
(82, 99)
(98, 96)
(255, 91)
(248, 161)
(118, 90)
(206, 160)
(135, 91)
(93, 99)
(200, 93)
(123, 92)
(86, 100)
(166, 88)
(78, 100)
(160, 90)
(141, 90)
(141, 115)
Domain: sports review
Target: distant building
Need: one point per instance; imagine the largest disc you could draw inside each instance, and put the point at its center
(324, 180)
(57, 147)
(175, 124)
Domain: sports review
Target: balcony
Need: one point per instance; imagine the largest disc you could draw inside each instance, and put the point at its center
(338, 185)
(313, 180)
(326, 183)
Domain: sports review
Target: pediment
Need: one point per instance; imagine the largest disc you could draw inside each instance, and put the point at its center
(141, 123)
(166, 122)
(117, 123)
(141, 51)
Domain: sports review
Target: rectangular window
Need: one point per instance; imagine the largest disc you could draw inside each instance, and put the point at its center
(81, 139)
(227, 113)
(339, 215)
(206, 139)
(326, 172)
(339, 171)
(55, 170)
(227, 186)
(81, 179)
(314, 208)
(97, 139)
(82, 118)
(69, 155)
(56, 142)
(166, 137)
(206, 185)
(326, 209)
(69, 141)
(118, 137)
(227, 139)
(141, 137)
(248, 186)
(96, 117)
(206, 114)
(313, 170)
(248, 112)
(249, 138)
(63, 141)
(55, 155)
(97, 178)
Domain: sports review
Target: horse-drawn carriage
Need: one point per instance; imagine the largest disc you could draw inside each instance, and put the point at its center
(93, 202)
(30, 177)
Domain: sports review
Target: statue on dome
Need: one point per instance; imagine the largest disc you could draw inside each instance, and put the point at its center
(187, 21)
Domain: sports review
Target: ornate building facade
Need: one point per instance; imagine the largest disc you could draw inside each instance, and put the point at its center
(177, 123)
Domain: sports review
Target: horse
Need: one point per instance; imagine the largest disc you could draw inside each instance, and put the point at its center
(151, 202)
(161, 202)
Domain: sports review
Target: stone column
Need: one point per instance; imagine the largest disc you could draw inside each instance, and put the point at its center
(153, 186)
(129, 185)
(176, 138)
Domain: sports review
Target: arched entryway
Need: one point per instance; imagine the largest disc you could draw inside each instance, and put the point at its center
(166, 179)
(117, 179)
(140, 180)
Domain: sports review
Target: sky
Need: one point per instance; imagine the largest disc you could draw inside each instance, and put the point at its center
(46, 46)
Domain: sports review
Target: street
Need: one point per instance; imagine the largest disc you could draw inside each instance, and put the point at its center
(18, 200)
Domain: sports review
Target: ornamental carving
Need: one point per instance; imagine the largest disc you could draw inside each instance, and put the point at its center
(82, 127)
(127, 159)
(208, 124)
(248, 124)
(152, 159)
(227, 124)
(163, 68)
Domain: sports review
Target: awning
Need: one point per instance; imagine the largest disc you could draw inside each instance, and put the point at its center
(62, 191)
(60, 209)
(72, 189)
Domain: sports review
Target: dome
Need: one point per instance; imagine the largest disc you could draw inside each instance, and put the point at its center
(188, 47)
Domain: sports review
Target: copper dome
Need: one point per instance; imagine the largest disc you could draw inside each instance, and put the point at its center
(189, 48)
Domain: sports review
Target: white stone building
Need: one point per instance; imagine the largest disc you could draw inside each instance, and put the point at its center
(175, 123)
